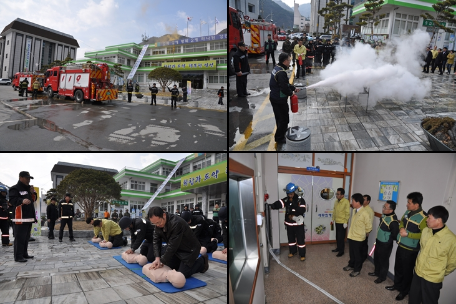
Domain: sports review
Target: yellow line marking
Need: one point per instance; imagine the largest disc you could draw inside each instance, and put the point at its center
(271, 146)
(257, 142)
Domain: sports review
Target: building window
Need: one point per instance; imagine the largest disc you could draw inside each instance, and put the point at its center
(218, 45)
(136, 185)
(147, 64)
(186, 169)
(213, 79)
(58, 179)
(158, 52)
(220, 60)
(251, 8)
(124, 185)
(5, 68)
(121, 60)
(156, 172)
(7, 42)
(7, 56)
(219, 157)
(199, 47)
(170, 50)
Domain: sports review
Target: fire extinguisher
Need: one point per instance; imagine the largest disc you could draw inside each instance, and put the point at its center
(300, 60)
(294, 103)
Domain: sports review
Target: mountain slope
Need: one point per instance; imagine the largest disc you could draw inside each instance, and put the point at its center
(304, 9)
(284, 5)
(282, 18)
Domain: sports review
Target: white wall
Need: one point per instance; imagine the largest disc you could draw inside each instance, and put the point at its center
(434, 175)
(247, 159)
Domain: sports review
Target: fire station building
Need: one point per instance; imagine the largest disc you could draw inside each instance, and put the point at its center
(202, 60)
(26, 46)
(200, 179)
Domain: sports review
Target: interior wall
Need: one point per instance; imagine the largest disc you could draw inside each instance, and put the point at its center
(247, 159)
(434, 175)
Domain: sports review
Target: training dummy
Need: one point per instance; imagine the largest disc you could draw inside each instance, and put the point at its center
(134, 258)
(102, 243)
(164, 274)
(219, 255)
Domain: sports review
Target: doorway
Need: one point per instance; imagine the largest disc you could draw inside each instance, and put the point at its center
(319, 194)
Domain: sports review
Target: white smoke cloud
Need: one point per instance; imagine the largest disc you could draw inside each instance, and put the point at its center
(393, 73)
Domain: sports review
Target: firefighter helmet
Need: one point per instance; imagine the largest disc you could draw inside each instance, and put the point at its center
(290, 188)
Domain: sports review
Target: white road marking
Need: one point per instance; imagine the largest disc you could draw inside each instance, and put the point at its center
(17, 120)
(84, 123)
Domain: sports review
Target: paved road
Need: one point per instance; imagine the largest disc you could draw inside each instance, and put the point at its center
(64, 125)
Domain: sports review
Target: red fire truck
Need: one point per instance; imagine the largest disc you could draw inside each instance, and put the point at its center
(81, 81)
(257, 33)
(235, 34)
(18, 77)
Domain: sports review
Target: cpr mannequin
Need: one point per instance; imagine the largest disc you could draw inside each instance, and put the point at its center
(106, 244)
(96, 240)
(165, 274)
(134, 258)
(219, 255)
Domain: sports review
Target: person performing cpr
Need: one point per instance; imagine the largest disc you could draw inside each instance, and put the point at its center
(294, 221)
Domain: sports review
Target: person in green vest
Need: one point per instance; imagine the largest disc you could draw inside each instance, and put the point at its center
(341, 214)
(386, 235)
(408, 240)
(215, 211)
(437, 258)
(365, 247)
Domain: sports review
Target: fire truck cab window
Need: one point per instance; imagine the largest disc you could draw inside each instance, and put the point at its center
(55, 73)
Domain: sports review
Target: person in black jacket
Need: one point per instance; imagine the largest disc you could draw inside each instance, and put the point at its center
(129, 89)
(115, 216)
(66, 214)
(52, 215)
(242, 69)
(184, 94)
(220, 95)
(182, 249)
(280, 90)
(427, 60)
(201, 230)
(4, 216)
(310, 54)
(287, 47)
(174, 95)
(318, 53)
(444, 59)
(327, 53)
(198, 211)
(334, 49)
(269, 47)
(22, 196)
(295, 41)
(153, 93)
(140, 230)
(438, 62)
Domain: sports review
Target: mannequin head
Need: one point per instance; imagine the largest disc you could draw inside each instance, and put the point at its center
(141, 259)
(176, 278)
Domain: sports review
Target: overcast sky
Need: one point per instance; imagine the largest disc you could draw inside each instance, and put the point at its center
(290, 3)
(96, 24)
(40, 164)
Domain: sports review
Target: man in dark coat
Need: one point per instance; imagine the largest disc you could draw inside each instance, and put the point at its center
(22, 196)
(269, 47)
(182, 249)
(310, 53)
(444, 60)
(327, 53)
(280, 91)
(427, 60)
(318, 53)
(242, 69)
(140, 230)
(66, 215)
(438, 62)
(287, 46)
(295, 42)
(52, 215)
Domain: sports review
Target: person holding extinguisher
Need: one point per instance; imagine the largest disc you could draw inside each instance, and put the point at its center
(220, 95)
(300, 51)
(280, 90)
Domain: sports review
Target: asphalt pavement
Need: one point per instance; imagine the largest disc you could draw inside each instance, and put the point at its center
(61, 124)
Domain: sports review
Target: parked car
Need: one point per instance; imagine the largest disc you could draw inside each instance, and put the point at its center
(5, 81)
(325, 37)
(282, 36)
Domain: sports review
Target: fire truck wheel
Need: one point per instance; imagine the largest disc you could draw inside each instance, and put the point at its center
(50, 92)
(79, 96)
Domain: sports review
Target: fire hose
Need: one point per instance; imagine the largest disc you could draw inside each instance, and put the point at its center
(294, 272)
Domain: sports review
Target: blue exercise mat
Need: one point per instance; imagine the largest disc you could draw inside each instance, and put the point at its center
(190, 283)
(215, 260)
(220, 244)
(166, 287)
(102, 248)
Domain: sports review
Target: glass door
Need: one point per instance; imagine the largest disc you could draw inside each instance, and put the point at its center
(324, 196)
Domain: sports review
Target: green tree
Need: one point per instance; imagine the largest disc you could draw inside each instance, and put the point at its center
(165, 76)
(51, 193)
(444, 13)
(89, 187)
(371, 17)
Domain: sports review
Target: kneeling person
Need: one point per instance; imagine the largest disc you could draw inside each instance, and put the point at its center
(111, 232)
(140, 230)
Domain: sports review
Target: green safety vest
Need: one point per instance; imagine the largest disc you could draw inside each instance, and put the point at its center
(411, 224)
(384, 232)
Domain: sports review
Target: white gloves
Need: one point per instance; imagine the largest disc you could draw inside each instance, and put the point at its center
(345, 225)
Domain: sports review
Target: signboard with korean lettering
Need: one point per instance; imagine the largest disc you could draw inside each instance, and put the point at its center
(388, 191)
(191, 65)
(211, 175)
(427, 22)
(193, 40)
(120, 203)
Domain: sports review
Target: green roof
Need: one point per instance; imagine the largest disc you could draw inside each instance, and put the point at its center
(424, 5)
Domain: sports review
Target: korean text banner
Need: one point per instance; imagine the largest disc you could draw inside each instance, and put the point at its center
(204, 177)
(191, 65)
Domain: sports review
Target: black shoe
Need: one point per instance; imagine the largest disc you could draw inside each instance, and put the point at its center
(247, 93)
(348, 268)
(206, 262)
(21, 260)
(28, 257)
(72, 240)
(340, 254)
(373, 274)
(400, 296)
(378, 281)
(31, 239)
(335, 250)
(60, 240)
(391, 288)
(51, 238)
(354, 274)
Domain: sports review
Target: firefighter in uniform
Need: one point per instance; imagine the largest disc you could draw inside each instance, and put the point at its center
(4, 217)
(280, 90)
(66, 213)
(36, 86)
(327, 51)
(52, 215)
(386, 234)
(114, 216)
(242, 69)
(184, 94)
(197, 210)
(129, 90)
(200, 228)
(174, 95)
(295, 206)
(24, 86)
(22, 197)
(153, 93)
(140, 230)
(269, 47)
(318, 53)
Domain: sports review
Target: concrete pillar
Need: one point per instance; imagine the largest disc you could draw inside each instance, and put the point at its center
(204, 203)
